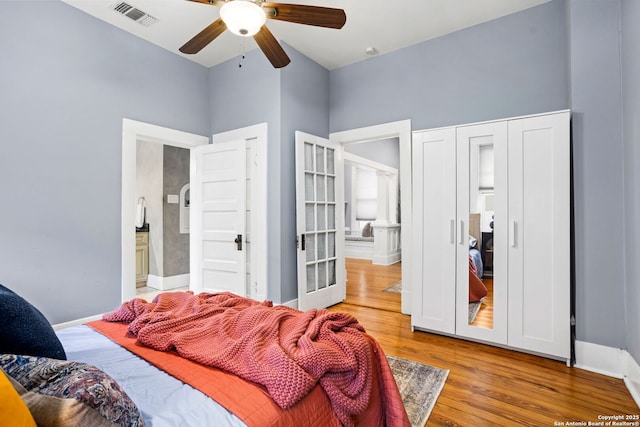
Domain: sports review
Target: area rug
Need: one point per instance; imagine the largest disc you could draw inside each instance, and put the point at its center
(396, 288)
(474, 307)
(419, 385)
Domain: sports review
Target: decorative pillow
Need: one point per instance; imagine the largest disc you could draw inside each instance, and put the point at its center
(66, 393)
(25, 330)
(367, 230)
(13, 411)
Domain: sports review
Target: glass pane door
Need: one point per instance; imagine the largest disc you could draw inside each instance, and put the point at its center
(320, 210)
(321, 275)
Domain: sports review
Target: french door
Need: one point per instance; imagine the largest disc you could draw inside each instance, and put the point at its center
(321, 271)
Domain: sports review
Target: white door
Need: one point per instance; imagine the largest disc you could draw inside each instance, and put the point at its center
(482, 191)
(539, 227)
(321, 271)
(434, 211)
(218, 205)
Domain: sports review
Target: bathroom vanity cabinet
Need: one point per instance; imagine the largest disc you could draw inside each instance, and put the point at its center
(142, 258)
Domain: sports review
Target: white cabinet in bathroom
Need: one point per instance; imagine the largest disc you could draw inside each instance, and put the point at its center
(142, 258)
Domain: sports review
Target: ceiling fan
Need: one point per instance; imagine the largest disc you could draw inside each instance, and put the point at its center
(247, 18)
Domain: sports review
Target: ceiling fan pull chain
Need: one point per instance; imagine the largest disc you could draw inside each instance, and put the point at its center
(241, 54)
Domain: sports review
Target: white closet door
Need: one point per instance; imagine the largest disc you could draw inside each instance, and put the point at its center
(482, 150)
(434, 210)
(539, 240)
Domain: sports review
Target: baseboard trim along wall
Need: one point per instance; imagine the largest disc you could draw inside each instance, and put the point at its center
(613, 362)
(169, 282)
(291, 304)
(632, 378)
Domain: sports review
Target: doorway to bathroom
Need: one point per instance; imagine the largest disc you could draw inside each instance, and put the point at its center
(255, 139)
(162, 215)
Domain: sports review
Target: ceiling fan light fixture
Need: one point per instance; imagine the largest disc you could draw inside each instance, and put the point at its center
(243, 17)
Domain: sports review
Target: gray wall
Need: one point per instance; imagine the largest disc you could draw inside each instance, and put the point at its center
(511, 66)
(522, 64)
(245, 96)
(596, 104)
(293, 98)
(631, 117)
(67, 82)
(175, 254)
(64, 94)
(305, 107)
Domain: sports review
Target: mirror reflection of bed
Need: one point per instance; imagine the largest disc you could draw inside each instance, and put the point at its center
(480, 280)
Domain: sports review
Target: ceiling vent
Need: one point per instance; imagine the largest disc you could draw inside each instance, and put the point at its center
(135, 14)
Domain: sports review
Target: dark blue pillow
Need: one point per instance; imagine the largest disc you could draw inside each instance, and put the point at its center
(24, 330)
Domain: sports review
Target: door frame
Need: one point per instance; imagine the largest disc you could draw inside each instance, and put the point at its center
(401, 130)
(132, 132)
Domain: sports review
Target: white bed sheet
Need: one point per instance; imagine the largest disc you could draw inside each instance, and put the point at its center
(163, 401)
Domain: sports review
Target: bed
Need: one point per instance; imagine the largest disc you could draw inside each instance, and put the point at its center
(151, 356)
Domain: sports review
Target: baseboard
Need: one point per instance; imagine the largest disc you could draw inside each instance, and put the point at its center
(291, 304)
(600, 359)
(169, 282)
(76, 322)
(613, 362)
(632, 378)
(386, 259)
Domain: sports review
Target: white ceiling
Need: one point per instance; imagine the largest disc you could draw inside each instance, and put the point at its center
(385, 25)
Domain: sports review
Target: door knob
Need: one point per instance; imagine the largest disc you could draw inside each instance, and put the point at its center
(238, 242)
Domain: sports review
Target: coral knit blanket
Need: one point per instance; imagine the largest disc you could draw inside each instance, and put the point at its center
(285, 350)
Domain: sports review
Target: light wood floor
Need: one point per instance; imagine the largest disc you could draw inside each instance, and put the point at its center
(487, 386)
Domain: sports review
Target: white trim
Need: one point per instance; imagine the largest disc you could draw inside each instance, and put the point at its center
(184, 210)
(291, 304)
(402, 131)
(548, 113)
(352, 158)
(255, 135)
(632, 377)
(132, 131)
(59, 326)
(168, 282)
(600, 359)
(361, 249)
(612, 362)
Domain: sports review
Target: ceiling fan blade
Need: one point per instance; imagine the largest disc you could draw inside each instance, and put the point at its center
(271, 48)
(309, 15)
(209, 2)
(204, 37)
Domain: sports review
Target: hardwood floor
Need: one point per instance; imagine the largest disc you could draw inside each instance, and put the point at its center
(487, 386)
(484, 318)
(365, 284)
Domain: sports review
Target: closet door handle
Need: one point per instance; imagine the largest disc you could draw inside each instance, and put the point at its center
(512, 234)
(452, 231)
(461, 236)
